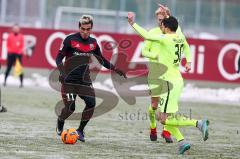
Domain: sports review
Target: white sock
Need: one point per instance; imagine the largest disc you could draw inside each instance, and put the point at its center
(199, 124)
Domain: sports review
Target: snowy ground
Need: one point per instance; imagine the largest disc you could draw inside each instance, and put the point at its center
(28, 130)
(191, 92)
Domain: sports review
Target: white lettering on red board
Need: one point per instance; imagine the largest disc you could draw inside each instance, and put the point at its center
(222, 70)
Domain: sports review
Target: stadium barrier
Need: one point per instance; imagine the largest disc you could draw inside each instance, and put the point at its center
(212, 60)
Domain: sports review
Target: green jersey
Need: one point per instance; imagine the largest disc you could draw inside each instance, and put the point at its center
(149, 50)
(170, 49)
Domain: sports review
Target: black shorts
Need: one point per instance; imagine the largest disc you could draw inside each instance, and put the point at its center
(69, 91)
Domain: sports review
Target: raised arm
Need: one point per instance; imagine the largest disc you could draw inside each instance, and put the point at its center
(141, 31)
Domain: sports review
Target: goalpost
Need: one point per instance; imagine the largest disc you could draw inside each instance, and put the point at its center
(109, 20)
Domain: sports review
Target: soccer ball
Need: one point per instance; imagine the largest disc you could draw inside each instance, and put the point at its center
(69, 136)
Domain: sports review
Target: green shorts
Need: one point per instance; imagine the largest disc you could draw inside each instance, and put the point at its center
(169, 93)
(157, 87)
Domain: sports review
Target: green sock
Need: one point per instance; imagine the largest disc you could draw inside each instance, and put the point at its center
(153, 123)
(180, 120)
(174, 131)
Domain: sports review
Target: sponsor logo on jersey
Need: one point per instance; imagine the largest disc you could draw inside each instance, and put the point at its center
(82, 54)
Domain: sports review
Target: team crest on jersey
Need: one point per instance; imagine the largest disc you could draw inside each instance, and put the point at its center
(91, 46)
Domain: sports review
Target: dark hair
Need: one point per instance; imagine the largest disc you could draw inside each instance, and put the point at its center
(86, 19)
(171, 23)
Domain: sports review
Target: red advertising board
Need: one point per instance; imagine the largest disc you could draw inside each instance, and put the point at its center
(212, 60)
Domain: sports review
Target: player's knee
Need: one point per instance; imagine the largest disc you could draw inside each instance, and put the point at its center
(154, 105)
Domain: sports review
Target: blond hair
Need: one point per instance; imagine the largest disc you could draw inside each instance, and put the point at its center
(85, 19)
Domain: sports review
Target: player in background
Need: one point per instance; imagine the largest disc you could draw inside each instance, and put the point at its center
(171, 48)
(3, 109)
(15, 49)
(75, 74)
(149, 47)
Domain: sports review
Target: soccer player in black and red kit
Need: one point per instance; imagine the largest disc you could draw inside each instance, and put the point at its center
(75, 75)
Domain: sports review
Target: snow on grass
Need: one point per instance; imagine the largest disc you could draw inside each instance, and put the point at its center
(190, 91)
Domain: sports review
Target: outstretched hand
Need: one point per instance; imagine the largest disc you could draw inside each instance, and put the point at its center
(165, 11)
(131, 18)
(187, 67)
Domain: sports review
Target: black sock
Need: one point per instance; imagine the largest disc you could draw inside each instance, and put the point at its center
(82, 125)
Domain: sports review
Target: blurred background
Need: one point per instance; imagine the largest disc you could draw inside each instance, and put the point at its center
(212, 19)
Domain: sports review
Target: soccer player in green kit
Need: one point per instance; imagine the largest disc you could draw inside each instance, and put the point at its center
(152, 46)
(171, 47)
